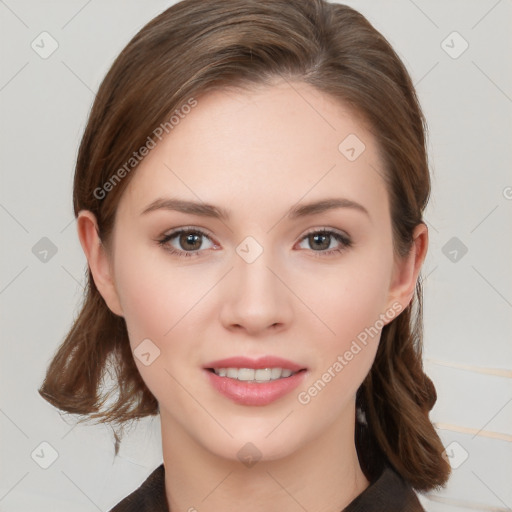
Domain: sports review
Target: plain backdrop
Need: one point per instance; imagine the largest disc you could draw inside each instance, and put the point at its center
(458, 53)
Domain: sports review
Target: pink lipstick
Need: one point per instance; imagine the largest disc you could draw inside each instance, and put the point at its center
(254, 381)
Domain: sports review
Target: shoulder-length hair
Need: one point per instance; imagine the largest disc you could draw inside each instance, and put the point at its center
(196, 46)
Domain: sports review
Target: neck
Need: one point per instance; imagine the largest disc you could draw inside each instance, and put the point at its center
(322, 476)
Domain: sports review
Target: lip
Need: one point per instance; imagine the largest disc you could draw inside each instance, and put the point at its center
(256, 364)
(254, 393)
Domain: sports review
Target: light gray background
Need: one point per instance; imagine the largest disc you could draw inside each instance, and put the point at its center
(468, 297)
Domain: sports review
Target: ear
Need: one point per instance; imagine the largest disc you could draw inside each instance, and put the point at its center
(98, 260)
(407, 268)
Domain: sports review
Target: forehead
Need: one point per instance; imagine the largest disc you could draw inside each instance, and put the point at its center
(262, 148)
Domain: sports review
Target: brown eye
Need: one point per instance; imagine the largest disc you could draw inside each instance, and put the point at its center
(189, 240)
(321, 242)
(185, 242)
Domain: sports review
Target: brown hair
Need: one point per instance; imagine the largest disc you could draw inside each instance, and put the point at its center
(194, 47)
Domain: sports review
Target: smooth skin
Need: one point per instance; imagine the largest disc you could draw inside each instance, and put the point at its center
(256, 152)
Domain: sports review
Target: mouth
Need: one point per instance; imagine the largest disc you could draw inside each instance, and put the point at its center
(255, 382)
(258, 375)
(260, 370)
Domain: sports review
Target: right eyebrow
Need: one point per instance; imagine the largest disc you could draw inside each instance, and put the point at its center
(191, 207)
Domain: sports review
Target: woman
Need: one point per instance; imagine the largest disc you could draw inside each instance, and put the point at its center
(249, 194)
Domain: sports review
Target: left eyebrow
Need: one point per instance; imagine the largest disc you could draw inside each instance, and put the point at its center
(208, 210)
(324, 205)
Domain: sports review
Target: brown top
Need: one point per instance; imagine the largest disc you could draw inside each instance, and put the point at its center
(389, 493)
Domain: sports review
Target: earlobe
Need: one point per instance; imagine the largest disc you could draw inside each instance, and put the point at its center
(407, 269)
(98, 260)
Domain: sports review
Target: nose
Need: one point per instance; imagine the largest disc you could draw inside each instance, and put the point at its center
(255, 296)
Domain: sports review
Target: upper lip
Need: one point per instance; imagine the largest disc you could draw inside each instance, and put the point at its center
(261, 362)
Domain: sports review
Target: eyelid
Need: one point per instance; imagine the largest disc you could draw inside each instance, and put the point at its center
(199, 229)
(344, 238)
(325, 228)
(209, 235)
(194, 229)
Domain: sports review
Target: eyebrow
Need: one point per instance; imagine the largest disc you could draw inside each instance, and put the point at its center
(208, 210)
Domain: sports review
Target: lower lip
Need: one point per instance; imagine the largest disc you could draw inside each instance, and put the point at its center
(254, 393)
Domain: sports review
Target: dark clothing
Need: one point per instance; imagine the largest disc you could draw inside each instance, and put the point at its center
(389, 493)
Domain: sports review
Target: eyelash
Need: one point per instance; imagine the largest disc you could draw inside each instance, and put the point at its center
(343, 239)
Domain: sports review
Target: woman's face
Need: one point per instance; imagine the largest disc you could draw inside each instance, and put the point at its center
(261, 281)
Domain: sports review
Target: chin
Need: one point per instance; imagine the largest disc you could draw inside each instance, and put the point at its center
(250, 442)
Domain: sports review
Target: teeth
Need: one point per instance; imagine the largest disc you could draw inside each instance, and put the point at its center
(251, 375)
(275, 373)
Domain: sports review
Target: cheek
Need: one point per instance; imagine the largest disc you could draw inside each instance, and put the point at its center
(351, 304)
(329, 394)
(348, 297)
(149, 294)
(353, 311)
(160, 304)
(153, 289)
(154, 302)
